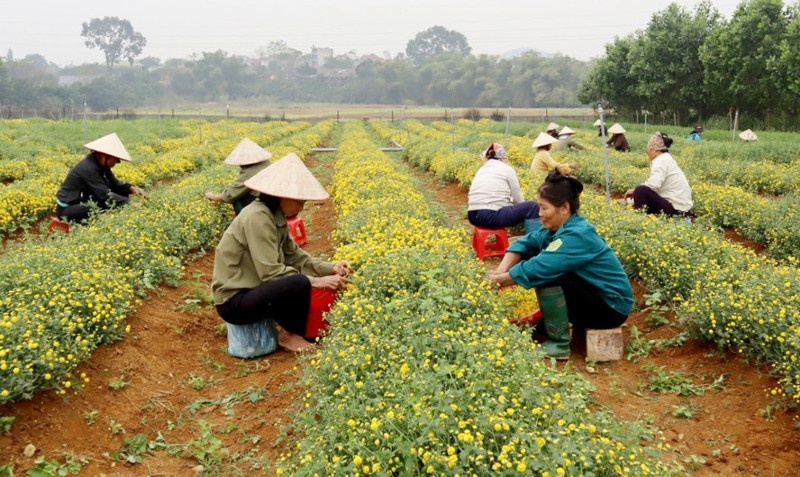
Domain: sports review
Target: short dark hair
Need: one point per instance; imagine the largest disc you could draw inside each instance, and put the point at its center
(560, 188)
(272, 202)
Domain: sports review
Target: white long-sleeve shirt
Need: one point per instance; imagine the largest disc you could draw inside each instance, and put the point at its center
(668, 180)
(494, 186)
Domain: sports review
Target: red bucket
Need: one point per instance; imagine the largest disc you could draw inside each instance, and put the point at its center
(321, 302)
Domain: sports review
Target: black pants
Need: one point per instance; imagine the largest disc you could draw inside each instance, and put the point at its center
(80, 212)
(286, 301)
(585, 307)
(653, 203)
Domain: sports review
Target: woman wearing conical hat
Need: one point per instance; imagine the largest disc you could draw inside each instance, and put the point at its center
(259, 271)
(618, 140)
(565, 141)
(543, 162)
(552, 130)
(252, 159)
(91, 181)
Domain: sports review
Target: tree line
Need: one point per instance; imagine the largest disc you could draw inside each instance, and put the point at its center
(695, 65)
(438, 69)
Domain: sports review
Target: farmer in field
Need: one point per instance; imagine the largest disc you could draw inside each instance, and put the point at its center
(543, 162)
(666, 191)
(618, 140)
(91, 181)
(252, 159)
(577, 277)
(565, 141)
(599, 125)
(552, 130)
(696, 134)
(259, 271)
(495, 197)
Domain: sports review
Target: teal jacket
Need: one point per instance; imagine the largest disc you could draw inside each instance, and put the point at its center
(574, 247)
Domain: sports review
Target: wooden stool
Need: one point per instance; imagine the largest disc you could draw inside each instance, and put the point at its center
(297, 228)
(255, 339)
(58, 224)
(604, 345)
(483, 249)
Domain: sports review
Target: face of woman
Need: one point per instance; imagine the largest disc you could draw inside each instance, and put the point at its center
(291, 207)
(553, 216)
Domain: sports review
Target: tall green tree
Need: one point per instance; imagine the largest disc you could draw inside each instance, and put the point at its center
(610, 79)
(788, 60)
(666, 65)
(115, 37)
(739, 58)
(434, 41)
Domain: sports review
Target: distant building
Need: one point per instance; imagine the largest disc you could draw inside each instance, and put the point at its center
(319, 56)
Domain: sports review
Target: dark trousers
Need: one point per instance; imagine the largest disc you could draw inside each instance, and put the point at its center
(505, 217)
(653, 203)
(73, 213)
(585, 307)
(286, 301)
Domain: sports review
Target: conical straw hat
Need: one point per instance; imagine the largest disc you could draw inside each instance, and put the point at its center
(597, 123)
(247, 152)
(748, 135)
(111, 145)
(290, 178)
(543, 139)
(616, 129)
(566, 130)
(552, 127)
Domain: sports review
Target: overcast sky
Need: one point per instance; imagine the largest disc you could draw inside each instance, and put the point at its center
(180, 28)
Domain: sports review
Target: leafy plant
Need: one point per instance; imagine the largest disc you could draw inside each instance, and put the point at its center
(90, 416)
(51, 468)
(118, 383)
(6, 422)
(207, 448)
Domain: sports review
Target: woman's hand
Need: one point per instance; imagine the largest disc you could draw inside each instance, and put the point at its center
(214, 197)
(342, 268)
(138, 191)
(331, 282)
(501, 279)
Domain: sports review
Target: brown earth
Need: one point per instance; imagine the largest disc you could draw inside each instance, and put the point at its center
(178, 375)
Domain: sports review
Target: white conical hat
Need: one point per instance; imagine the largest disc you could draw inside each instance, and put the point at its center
(290, 178)
(111, 145)
(247, 152)
(748, 135)
(597, 123)
(543, 139)
(566, 130)
(552, 127)
(616, 129)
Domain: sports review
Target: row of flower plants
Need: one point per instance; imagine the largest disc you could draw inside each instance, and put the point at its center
(61, 296)
(726, 294)
(32, 196)
(421, 373)
(766, 220)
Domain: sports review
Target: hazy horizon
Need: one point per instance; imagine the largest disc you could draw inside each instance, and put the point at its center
(180, 29)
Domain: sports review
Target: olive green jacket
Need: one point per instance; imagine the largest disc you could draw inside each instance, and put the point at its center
(237, 189)
(257, 248)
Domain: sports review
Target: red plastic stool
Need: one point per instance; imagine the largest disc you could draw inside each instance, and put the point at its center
(321, 302)
(58, 224)
(483, 249)
(298, 230)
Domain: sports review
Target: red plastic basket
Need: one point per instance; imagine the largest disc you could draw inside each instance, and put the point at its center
(321, 302)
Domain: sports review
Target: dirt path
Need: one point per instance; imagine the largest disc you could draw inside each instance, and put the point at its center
(171, 375)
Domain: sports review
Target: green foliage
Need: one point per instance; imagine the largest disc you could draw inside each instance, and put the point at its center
(435, 41)
(115, 37)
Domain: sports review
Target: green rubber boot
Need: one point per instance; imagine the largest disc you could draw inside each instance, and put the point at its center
(532, 225)
(555, 320)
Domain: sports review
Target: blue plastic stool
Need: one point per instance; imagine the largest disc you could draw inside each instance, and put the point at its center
(255, 339)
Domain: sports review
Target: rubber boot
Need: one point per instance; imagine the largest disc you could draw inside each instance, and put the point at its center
(532, 225)
(555, 320)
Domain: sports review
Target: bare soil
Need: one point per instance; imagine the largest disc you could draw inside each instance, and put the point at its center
(178, 375)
